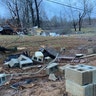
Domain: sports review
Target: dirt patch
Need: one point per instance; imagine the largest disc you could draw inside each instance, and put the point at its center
(42, 86)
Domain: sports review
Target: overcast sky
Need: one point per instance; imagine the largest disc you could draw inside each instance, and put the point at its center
(54, 8)
(50, 8)
(4, 13)
(57, 9)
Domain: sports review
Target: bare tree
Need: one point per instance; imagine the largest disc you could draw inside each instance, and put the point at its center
(37, 13)
(54, 21)
(24, 16)
(75, 25)
(13, 6)
(82, 14)
(86, 10)
(90, 9)
(44, 20)
(30, 4)
(74, 21)
(26, 11)
(17, 13)
(37, 6)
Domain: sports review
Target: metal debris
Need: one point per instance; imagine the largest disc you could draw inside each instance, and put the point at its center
(49, 52)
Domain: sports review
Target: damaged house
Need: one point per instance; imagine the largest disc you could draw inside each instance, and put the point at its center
(6, 30)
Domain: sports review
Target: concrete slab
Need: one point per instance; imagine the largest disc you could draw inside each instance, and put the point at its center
(52, 77)
(78, 75)
(89, 68)
(51, 68)
(94, 76)
(94, 90)
(90, 51)
(78, 90)
(62, 68)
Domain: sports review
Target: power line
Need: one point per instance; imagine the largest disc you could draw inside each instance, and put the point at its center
(67, 5)
(64, 5)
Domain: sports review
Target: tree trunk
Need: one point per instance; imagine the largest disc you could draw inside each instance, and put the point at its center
(80, 21)
(32, 12)
(18, 18)
(37, 13)
(89, 20)
(26, 11)
(75, 28)
(80, 25)
(30, 4)
(74, 25)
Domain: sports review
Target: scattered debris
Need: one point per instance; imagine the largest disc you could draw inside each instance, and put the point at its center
(21, 61)
(79, 55)
(90, 50)
(3, 49)
(6, 30)
(65, 58)
(1, 69)
(42, 63)
(4, 78)
(33, 66)
(86, 56)
(28, 85)
(77, 58)
(51, 68)
(38, 57)
(21, 84)
(21, 48)
(49, 52)
(39, 54)
(15, 56)
(47, 59)
(37, 60)
(52, 77)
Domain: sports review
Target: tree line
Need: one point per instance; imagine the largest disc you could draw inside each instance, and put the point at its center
(28, 13)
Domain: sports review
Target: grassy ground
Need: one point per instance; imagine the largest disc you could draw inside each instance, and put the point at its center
(86, 30)
(37, 41)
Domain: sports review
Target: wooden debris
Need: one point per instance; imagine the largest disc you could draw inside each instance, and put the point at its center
(86, 56)
(1, 68)
(21, 48)
(28, 85)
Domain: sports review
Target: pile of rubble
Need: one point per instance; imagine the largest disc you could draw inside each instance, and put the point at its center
(46, 60)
